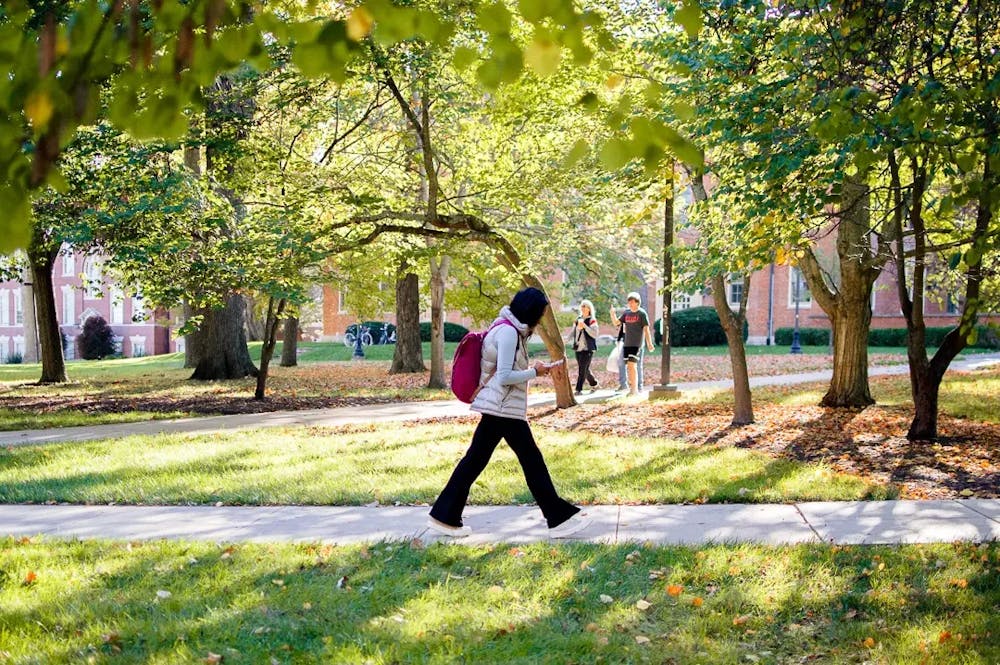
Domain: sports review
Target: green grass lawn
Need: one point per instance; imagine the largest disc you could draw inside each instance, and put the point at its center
(168, 602)
(409, 465)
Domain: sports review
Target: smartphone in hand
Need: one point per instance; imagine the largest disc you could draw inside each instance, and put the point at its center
(554, 364)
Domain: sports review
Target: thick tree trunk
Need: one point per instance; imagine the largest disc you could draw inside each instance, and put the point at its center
(194, 341)
(851, 320)
(439, 275)
(732, 326)
(49, 337)
(408, 356)
(224, 353)
(551, 335)
(290, 342)
(848, 304)
(271, 320)
(256, 324)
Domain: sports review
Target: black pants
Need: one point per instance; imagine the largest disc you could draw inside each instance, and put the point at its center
(449, 505)
(583, 359)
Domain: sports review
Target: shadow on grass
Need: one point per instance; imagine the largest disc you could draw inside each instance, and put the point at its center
(400, 603)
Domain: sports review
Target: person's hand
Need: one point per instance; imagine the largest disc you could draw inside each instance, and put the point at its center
(541, 369)
(579, 324)
(649, 347)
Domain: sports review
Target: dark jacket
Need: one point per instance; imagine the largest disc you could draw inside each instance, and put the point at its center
(589, 333)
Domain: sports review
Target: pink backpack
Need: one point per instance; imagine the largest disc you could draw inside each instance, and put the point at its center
(466, 367)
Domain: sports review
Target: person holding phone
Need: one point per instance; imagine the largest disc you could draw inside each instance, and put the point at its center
(635, 326)
(584, 345)
(503, 403)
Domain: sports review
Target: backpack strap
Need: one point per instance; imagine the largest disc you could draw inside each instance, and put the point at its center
(493, 373)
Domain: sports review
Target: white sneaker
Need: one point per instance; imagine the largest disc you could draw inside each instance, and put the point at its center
(574, 524)
(443, 529)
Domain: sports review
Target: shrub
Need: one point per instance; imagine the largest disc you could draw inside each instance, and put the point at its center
(986, 336)
(15, 359)
(807, 336)
(97, 340)
(697, 326)
(453, 332)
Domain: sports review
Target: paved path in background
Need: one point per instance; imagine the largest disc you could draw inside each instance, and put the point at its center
(842, 522)
(402, 411)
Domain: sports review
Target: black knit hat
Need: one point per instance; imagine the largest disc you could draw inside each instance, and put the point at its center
(528, 306)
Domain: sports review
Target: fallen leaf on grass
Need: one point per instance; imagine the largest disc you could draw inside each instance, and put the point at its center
(869, 642)
(697, 601)
(959, 583)
(342, 583)
(641, 639)
(605, 598)
(643, 604)
(944, 636)
(162, 594)
(30, 578)
(741, 619)
(212, 658)
(675, 590)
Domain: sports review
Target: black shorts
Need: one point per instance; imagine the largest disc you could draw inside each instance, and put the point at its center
(630, 353)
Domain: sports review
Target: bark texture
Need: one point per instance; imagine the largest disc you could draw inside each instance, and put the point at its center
(49, 337)
(290, 342)
(224, 353)
(439, 276)
(408, 356)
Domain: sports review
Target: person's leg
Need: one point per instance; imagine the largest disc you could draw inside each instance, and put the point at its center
(589, 375)
(639, 364)
(622, 380)
(556, 510)
(581, 370)
(451, 502)
(631, 354)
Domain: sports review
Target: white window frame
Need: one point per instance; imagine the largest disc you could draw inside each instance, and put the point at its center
(4, 348)
(804, 302)
(138, 308)
(137, 342)
(4, 307)
(117, 313)
(341, 309)
(18, 342)
(92, 274)
(69, 264)
(68, 305)
(18, 307)
(730, 283)
(680, 301)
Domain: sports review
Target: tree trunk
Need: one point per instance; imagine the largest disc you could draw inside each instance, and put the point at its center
(290, 342)
(439, 275)
(850, 321)
(848, 304)
(194, 341)
(732, 326)
(256, 325)
(551, 335)
(267, 349)
(49, 337)
(224, 352)
(408, 356)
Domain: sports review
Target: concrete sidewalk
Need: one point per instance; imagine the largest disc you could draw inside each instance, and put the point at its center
(849, 522)
(401, 411)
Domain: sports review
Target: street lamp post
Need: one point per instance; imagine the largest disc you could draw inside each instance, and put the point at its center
(666, 390)
(796, 347)
(359, 352)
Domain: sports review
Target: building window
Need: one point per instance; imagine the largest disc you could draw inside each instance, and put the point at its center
(795, 279)
(69, 264)
(735, 289)
(4, 307)
(18, 307)
(119, 344)
(952, 305)
(92, 277)
(138, 308)
(4, 348)
(117, 306)
(19, 346)
(68, 306)
(138, 345)
(680, 301)
(341, 306)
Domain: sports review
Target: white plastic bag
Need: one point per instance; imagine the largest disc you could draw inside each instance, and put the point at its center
(613, 357)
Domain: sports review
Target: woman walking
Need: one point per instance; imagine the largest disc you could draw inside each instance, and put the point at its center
(503, 402)
(584, 345)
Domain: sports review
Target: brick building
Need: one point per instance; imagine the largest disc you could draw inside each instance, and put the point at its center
(82, 290)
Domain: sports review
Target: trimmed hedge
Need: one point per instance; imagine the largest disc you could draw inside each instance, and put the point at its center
(807, 336)
(988, 337)
(453, 332)
(696, 326)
